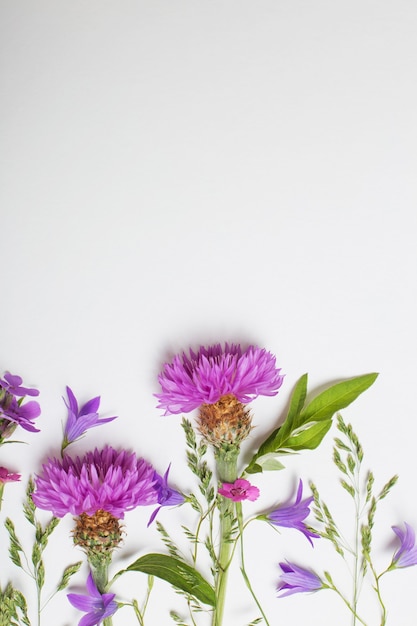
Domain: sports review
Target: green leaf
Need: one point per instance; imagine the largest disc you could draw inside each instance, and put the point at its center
(304, 428)
(308, 437)
(337, 397)
(176, 573)
(270, 462)
(297, 399)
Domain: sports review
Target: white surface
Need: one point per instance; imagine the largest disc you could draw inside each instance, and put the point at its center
(185, 172)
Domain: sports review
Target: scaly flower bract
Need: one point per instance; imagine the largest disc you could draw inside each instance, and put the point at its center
(293, 515)
(81, 420)
(204, 377)
(107, 479)
(240, 490)
(167, 496)
(406, 554)
(97, 605)
(297, 580)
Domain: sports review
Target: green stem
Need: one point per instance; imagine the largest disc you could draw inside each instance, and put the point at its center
(242, 561)
(350, 607)
(378, 593)
(101, 579)
(226, 462)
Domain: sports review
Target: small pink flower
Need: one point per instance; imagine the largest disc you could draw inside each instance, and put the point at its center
(240, 490)
(8, 477)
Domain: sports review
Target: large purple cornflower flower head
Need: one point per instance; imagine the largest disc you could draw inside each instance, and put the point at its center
(167, 496)
(13, 412)
(406, 555)
(106, 480)
(295, 579)
(96, 605)
(293, 515)
(219, 382)
(207, 375)
(81, 420)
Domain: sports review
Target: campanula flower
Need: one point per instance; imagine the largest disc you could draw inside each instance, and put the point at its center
(406, 554)
(167, 496)
(293, 515)
(240, 490)
(295, 579)
(81, 420)
(96, 605)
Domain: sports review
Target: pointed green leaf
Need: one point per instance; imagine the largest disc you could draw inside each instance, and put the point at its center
(270, 462)
(294, 435)
(177, 573)
(309, 437)
(297, 399)
(337, 397)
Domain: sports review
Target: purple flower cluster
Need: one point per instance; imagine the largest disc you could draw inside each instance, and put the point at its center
(107, 479)
(205, 376)
(12, 410)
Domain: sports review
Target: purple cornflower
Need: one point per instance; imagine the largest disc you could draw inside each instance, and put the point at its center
(107, 479)
(204, 377)
(167, 496)
(406, 554)
(12, 411)
(297, 580)
(240, 490)
(81, 420)
(293, 515)
(96, 605)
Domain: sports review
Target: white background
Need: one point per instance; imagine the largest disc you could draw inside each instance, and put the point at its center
(176, 173)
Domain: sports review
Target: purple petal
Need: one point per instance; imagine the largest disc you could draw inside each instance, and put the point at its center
(81, 602)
